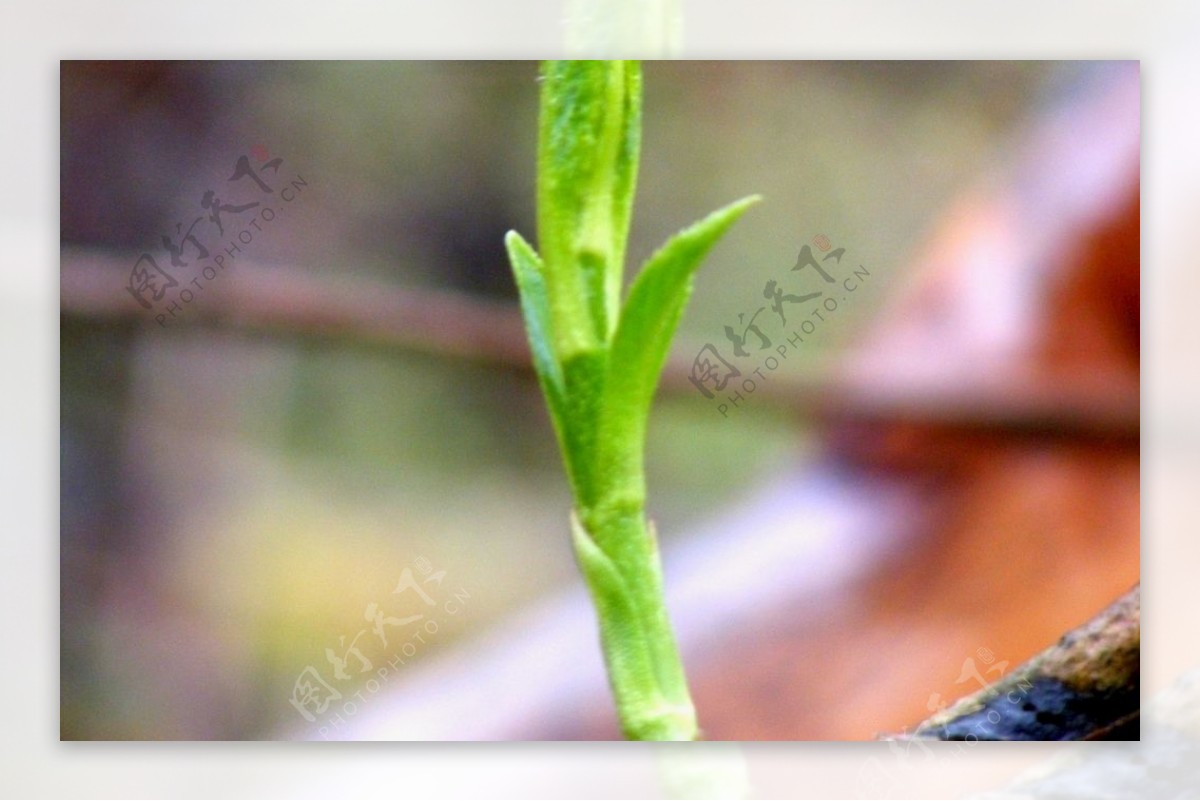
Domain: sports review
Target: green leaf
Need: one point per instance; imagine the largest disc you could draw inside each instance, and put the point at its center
(643, 338)
(588, 145)
(535, 307)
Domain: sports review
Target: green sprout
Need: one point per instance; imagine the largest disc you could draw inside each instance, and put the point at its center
(599, 362)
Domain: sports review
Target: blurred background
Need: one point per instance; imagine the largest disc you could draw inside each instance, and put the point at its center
(262, 490)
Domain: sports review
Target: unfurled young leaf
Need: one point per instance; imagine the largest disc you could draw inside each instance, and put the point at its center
(535, 307)
(648, 321)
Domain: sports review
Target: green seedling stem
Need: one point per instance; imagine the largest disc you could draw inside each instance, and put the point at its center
(598, 362)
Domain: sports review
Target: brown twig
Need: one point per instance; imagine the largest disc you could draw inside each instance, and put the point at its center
(291, 303)
(1085, 687)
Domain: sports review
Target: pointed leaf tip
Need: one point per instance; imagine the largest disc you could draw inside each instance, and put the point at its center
(535, 306)
(656, 300)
